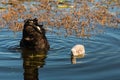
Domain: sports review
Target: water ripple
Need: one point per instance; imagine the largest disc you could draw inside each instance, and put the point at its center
(102, 56)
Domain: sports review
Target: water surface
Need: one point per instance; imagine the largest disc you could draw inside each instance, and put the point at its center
(101, 62)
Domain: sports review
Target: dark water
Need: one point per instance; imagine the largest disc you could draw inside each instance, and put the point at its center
(101, 62)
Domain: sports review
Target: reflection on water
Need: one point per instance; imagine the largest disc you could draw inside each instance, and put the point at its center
(32, 61)
(74, 58)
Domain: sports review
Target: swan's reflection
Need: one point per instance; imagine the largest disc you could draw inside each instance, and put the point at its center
(32, 61)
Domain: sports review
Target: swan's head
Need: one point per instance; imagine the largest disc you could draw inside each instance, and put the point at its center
(31, 26)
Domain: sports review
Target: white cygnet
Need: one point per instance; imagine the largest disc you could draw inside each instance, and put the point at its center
(78, 50)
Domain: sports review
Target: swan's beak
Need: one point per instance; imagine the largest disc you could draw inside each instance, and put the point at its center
(39, 29)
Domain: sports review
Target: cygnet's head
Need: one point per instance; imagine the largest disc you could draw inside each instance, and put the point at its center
(78, 50)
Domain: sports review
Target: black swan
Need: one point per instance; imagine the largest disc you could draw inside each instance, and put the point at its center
(33, 37)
